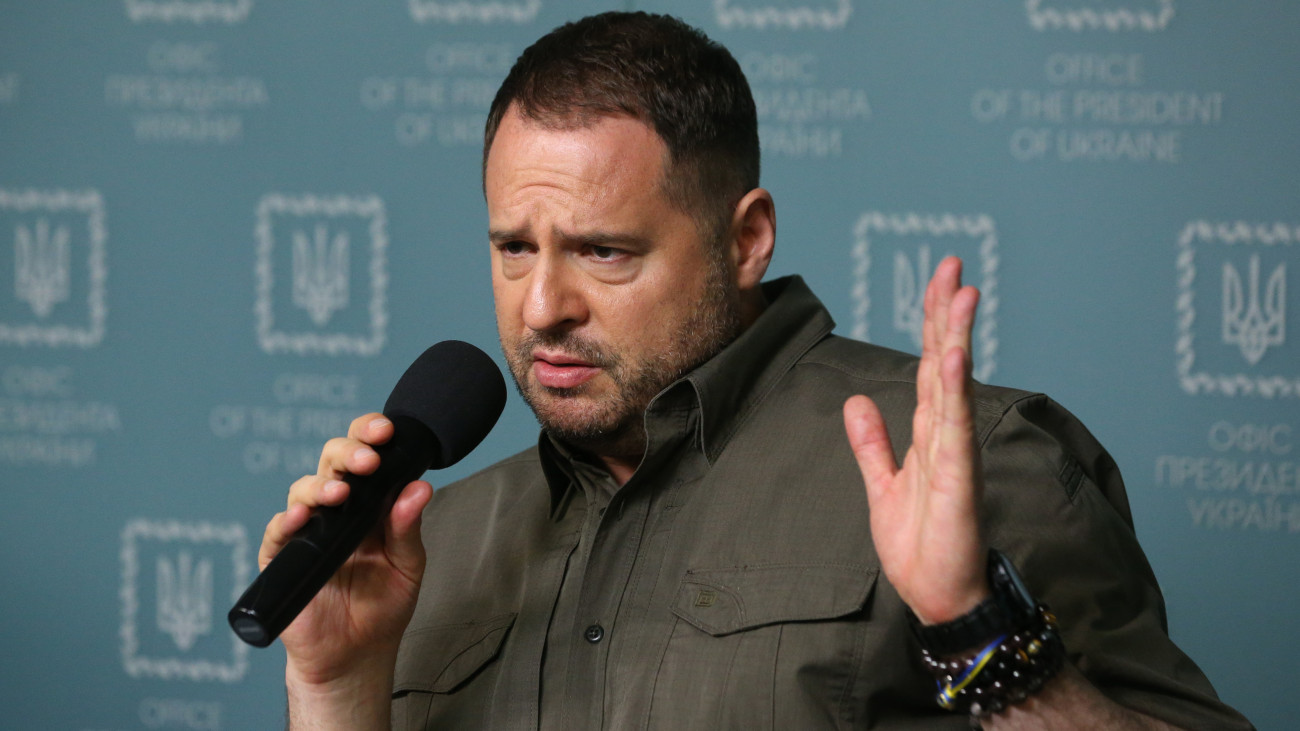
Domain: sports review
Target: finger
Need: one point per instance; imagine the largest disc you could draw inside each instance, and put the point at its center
(935, 300)
(925, 375)
(929, 387)
(955, 365)
(929, 342)
(278, 531)
(314, 490)
(954, 408)
(865, 428)
(961, 319)
(402, 538)
(342, 456)
(955, 452)
(938, 298)
(371, 429)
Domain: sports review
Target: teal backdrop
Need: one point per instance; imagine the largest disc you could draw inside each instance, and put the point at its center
(226, 227)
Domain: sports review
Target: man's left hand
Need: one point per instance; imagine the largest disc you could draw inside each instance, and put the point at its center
(925, 515)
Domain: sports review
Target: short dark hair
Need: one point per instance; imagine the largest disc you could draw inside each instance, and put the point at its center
(661, 71)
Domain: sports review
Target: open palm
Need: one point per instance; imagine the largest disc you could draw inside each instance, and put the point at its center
(925, 514)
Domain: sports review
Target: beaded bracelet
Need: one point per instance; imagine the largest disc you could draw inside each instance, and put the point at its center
(1004, 672)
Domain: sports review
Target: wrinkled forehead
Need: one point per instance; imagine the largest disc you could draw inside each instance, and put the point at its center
(572, 118)
(603, 149)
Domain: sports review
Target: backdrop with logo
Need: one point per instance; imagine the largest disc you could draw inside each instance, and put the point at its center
(226, 227)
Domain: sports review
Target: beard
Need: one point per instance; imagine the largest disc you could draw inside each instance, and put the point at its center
(614, 424)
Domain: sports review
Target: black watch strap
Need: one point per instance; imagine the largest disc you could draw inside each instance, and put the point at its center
(1009, 608)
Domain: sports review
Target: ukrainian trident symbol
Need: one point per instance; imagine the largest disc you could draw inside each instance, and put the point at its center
(41, 269)
(184, 598)
(320, 273)
(1250, 323)
(909, 292)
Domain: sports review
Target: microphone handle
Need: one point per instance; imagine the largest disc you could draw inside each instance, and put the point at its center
(319, 548)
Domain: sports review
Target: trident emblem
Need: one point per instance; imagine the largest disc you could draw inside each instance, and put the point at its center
(909, 292)
(1250, 324)
(184, 599)
(320, 273)
(41, 270)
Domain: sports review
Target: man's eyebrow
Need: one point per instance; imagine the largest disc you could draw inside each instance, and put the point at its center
(498, 236)
(588, 238)
(609, 238)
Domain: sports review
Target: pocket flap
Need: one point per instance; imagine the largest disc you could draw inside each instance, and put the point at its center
(722, 601)
(438, 659)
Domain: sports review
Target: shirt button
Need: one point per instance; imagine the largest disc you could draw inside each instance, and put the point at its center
(595, 633)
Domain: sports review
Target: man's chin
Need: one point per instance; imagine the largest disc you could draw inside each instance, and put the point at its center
(582, 423)
(571, 419)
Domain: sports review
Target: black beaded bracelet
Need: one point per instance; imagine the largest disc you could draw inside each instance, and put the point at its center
(1005, 672)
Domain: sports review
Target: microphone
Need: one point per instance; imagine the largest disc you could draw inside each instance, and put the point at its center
(441, 408)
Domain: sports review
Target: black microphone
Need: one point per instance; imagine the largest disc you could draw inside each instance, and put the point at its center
(441, 408)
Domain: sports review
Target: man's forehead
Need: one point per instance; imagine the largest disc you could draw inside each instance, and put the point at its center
(613, 158)
(578, 132)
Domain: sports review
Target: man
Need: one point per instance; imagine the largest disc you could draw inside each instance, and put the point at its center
(690, 544)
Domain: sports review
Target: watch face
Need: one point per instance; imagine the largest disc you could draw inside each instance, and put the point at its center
(1005, 571)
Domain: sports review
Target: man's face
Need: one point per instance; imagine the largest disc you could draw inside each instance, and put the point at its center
(605, 293)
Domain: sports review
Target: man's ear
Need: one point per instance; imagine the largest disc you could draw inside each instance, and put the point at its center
(753, 236)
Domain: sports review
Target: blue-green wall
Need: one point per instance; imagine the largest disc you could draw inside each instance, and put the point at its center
(1119, 174)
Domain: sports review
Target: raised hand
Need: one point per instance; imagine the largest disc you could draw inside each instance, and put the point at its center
(925, 515)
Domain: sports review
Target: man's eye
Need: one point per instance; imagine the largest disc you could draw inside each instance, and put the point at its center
(604, 252)
(514, 248)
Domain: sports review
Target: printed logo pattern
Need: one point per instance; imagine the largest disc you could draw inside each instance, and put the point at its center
(493, 11)
(1253, 307)
(184, 600)
(1078, 16)
(322, 232)
(42, 266)
(45, 228)
(320, 273)
(918, 234)
(765, 14)
(192, 11)
(1262, 323)
(909, 292)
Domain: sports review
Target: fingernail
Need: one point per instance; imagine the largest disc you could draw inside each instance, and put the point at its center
(362, 454)
(378, 423)
(333, 487)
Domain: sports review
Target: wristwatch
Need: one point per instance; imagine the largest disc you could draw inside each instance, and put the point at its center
(1010, 608)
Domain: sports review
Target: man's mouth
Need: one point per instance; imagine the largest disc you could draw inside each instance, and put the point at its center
(557, 370)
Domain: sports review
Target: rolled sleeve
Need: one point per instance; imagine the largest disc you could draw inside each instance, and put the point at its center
(1055, 504)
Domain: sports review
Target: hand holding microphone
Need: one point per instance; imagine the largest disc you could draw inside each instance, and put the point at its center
(338, 541)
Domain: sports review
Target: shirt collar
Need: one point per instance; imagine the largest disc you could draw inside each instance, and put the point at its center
(726, 387)
(737, 379)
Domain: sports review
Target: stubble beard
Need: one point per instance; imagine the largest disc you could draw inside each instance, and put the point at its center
(614, 425)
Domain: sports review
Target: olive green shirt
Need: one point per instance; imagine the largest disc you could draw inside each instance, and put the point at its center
(732, 581)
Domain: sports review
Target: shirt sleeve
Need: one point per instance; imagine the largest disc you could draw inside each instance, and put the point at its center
(1055, 504)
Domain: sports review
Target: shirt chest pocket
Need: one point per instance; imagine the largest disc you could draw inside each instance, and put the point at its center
(760, 647)
(436, 662)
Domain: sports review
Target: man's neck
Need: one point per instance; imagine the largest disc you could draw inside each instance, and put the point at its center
(619, 457)
(620, 469)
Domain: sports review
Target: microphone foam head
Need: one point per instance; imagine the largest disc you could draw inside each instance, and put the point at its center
(455, 390)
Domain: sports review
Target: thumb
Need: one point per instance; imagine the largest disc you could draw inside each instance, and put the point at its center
(402, 541)
(865, 428)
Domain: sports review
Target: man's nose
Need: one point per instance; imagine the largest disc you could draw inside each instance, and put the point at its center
(555, 298)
